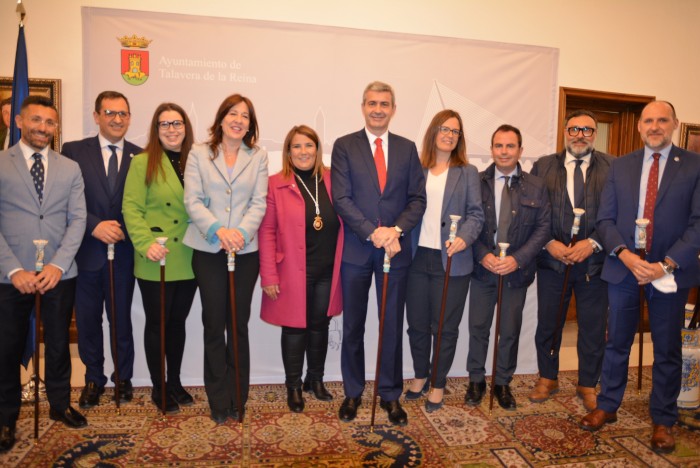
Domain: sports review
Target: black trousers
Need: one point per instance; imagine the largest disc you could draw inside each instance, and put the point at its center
(310, 342)
(591, 314)
(15, 310)
(178, 302)
(219, 363)
(426, 279)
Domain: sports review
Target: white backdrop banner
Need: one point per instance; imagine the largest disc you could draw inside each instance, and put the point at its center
(315, 75)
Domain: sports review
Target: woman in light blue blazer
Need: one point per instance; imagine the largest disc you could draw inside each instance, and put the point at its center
(225, 190)
(452, 188)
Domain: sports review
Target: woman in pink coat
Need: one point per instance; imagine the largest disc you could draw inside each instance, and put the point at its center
(301, 242)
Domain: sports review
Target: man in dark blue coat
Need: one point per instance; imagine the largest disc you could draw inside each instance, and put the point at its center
(517, 211)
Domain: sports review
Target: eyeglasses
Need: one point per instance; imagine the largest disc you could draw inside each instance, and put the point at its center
(110, 114)
(587, 131)
(446, 130)
(177, 124)
(37, 121)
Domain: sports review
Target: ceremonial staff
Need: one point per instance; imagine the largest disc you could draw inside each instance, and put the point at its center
(453, 233)
(499, 299)
(382, 313)
(231, 266)
(113, 314)
(162, 241)
(40, 244)
(578, 212)
(641, 247)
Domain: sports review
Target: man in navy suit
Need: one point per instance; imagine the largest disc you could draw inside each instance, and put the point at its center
(379, 191)
(104, 160)
(662, 183)
(41, 197)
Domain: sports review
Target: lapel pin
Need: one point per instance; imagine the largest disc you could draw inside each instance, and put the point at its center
(676, 159)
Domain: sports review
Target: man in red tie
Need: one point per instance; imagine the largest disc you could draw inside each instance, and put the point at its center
(379, 191)
(660, 182)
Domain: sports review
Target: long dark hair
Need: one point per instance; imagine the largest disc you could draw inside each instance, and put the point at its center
(217, 134)
(154, 148)
(458, 157)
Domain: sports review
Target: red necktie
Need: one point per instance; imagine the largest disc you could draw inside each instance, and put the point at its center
(650, 201)
(380, 163)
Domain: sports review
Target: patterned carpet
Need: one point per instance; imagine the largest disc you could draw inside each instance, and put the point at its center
(540, 435)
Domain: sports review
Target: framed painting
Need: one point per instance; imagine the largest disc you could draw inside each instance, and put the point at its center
(690, 137)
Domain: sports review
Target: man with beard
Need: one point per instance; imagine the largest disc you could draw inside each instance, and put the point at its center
(661, 183)
(41, 197)
(574, 179)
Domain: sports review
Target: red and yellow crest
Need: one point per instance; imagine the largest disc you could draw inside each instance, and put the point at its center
(134, 59)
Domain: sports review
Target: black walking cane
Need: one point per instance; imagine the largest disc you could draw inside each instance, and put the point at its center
(641, 248)
(231, 266)
(578, 212)
(113, 313)
(382, 314)
(162, 241)
(453, 233)
(503, 246)
(40, 244)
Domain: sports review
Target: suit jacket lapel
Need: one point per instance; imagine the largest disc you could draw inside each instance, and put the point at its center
(673, 165)
(454, 174)
(242, 160)
(636, 176)
(365, 149)
(54, 171)
(97, 161)
(171, 179)
(21, 166)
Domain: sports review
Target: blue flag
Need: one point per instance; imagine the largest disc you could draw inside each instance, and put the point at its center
(20, 84)
(20, 90)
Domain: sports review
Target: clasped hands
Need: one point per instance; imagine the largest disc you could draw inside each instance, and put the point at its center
(386, 238)
(642, 270)
(498, 265)
(231, 239)
(570, 255)
(27, 282)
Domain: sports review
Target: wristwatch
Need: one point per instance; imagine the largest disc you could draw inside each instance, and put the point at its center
(619, 250)
(667, 267)
(399, 230)
(596, 249)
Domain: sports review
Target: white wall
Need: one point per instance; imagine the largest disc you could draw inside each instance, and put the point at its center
(631, 46)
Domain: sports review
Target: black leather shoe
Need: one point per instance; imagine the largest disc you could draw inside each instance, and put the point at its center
(295, 400)
(180, 395)
(90, 396)
(219, 416)
(348, 410)
(126, 391)
(318, 389)
(504, 397)
(394, 411)
(411, 396)
(475, 392)
(7, 438)
(171, 406)
(70, 417)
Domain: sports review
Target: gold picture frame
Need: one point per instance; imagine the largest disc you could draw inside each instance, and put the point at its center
(690, 137)
(47, 87)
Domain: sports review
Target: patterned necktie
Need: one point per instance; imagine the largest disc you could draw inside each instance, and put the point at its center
(37, 172)
(650, 201)
(505, 214)
(112, 169)
(380, 164)
(578, 184)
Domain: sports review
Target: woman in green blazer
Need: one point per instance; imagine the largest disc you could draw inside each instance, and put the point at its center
(153, 206)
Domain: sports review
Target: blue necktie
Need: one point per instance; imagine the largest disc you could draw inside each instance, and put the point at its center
(112, 169)
(578, 185)
(37, 172)
(505, 215)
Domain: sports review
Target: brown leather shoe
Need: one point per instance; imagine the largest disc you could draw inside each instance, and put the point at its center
(662, 440)
(544, 389)
(588, 396)
(597, 419)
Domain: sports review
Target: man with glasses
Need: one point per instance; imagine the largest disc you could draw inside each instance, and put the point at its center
(574, 179)
(104, 160)
(41, 197)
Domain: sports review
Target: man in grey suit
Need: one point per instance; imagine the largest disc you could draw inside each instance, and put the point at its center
(41, 197)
